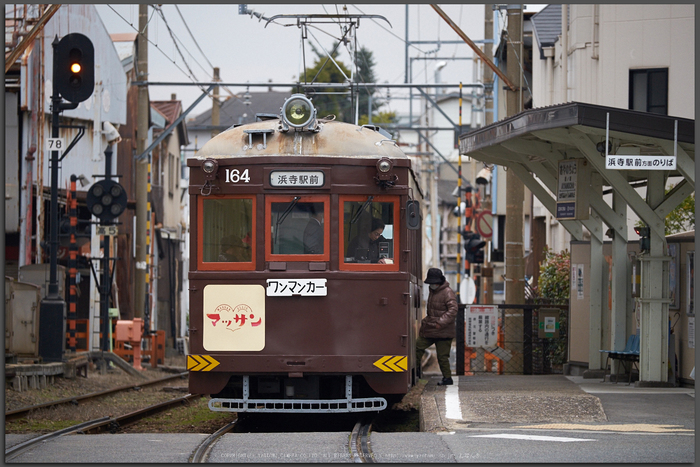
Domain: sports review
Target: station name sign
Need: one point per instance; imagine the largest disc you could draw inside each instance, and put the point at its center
(297, 178)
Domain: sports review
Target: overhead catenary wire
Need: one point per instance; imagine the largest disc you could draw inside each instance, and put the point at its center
(151, 42)
(172, 36)
(175, 40)
(194, 81)
(192, 36)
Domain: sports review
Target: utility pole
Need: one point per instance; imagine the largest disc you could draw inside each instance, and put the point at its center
(141, 166)
(486, 268)
(216, 105)
(515, 271)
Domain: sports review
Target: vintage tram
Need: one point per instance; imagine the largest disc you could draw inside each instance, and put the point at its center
(305, 266)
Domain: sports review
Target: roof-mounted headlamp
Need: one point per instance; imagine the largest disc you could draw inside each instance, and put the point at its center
(298, 113)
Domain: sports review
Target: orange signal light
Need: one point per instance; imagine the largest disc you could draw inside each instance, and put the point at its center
(75, 67)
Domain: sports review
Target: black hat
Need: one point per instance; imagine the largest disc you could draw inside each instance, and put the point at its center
(377, 224)
(434, 276)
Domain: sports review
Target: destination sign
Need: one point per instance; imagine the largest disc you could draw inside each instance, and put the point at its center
(296, 178)
(637, 162)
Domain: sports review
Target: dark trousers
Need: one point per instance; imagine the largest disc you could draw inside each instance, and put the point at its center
(442, 346)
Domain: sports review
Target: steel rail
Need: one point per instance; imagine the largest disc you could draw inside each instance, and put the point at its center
(98, 425)
(201, 454)
(360, 448)
(23, 411)
(18, 449)
(113, 424)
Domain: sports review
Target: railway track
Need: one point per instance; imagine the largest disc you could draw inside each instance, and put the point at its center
(359, 443)
(24, 411)
(201, 454)
(360, 448)
(100, 425)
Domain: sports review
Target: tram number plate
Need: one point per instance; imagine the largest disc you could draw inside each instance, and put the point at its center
(289, 287)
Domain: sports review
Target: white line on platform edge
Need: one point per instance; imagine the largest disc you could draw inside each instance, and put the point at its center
(453, 410)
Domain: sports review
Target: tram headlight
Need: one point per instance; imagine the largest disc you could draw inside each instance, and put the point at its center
(385, 177)
(384, 165)
(210, 168)
(299, 113)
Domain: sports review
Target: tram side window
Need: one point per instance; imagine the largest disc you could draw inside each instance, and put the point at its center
(368, 232)
(297, 227)
(227, 230)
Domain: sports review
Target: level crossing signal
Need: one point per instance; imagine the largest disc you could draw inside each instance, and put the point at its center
(474, 247)
(644, 234)
(74, 67)
(106, 200)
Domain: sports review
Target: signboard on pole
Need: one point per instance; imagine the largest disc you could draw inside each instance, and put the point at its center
(482, 325)
(484, 224)
(572, 189)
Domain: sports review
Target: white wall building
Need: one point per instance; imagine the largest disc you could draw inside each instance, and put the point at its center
(632, 56)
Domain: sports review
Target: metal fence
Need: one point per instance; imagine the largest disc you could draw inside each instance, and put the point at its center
(530, 340)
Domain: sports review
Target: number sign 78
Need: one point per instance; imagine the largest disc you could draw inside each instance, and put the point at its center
(55, 144)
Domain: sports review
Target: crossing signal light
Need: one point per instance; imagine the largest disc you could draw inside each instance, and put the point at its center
(474, 247)
(74, 67)
(106, 200)
(644, 233)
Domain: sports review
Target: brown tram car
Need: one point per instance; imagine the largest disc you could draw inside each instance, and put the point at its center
(295, 304)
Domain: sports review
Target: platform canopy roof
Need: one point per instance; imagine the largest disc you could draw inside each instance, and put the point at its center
(534, 141)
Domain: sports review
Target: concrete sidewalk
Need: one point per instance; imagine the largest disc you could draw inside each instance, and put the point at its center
(553, 401)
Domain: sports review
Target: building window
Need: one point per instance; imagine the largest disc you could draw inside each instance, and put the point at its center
(649, 90)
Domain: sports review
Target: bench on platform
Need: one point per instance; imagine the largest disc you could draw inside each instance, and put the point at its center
(630, 354)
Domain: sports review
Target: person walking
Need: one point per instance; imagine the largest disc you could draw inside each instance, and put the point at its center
(438, 326)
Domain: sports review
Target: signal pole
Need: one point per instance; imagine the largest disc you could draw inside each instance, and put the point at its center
(141, 166)
(74, 80)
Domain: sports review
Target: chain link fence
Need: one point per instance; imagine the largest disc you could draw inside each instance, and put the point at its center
(527, 340)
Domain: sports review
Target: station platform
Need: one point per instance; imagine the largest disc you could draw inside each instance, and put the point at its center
(551, 401)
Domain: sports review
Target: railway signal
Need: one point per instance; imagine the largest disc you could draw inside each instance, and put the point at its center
(106, 200)
(74, 67)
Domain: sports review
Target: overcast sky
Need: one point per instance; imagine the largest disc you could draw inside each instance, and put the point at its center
(248, 51)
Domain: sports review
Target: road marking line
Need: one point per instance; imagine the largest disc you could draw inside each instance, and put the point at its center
(632, 427)
(532, 437)
(453, 410)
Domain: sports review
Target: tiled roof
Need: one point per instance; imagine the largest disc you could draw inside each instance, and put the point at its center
(171, 110)
(547, 26)
(233, 109)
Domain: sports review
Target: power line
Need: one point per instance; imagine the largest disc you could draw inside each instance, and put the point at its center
(192, 36)
(150, 41)
(172, 36)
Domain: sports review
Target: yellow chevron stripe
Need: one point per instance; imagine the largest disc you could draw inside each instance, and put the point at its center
(213, 363)
(380, 363)
(191, 362)
(201, 363)
(392, 363)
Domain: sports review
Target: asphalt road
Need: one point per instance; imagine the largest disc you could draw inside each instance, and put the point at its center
(479, 445)
(640, 426)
